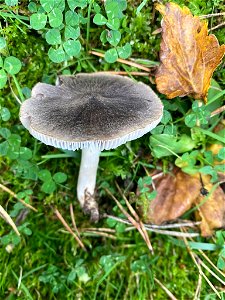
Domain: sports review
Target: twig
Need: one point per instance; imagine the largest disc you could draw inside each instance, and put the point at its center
(123, 61)
(60, 217)
(212, 15)
(133, 212)
(126, 73)
(4, 188)
(169, 294)
(8, 219)
(217, 26)
(156, 228)
(217, 111)
(171, 233)
(175, 225)
(73, 219)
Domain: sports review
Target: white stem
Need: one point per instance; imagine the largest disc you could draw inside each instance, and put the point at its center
(87, 175)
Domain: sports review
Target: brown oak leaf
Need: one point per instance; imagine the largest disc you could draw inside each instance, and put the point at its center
(177, 192)
(188, 55)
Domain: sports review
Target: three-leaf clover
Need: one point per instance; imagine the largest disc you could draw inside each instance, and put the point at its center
(50, 11)
(199, 114)
(61, 36)
(50, 182)
(10, 65)
(114, 11)
(11, 146)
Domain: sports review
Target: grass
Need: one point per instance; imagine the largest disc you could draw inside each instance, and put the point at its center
(133, 276)
(48, 263)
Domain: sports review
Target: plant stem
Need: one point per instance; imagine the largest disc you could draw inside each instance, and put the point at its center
(88, 24)
(123, 61)
(18, 88)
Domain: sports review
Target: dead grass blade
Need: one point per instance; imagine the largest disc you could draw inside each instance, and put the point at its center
(211, 285)
(211, 263)
(7, 190)
(210, 271)
(123, 61)
(73, 219)
(133, 212)
(169, 294)
(198, 288)
(217, 111)
(8, 219)
(62, 220)
(132, 220)
(196, 260)
(217, 26)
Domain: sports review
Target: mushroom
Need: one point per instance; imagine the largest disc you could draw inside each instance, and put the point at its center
(92, 112)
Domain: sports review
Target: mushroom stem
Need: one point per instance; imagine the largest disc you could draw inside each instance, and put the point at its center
(86, 182)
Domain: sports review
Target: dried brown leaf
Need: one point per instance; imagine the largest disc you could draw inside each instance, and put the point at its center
(212, 211)
(178, 192)
(188, 54)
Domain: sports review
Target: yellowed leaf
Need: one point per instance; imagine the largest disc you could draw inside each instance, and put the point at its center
(212, 211)
(188, 54)
(215, 148)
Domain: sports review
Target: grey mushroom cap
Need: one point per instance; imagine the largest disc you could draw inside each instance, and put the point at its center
(98, 111)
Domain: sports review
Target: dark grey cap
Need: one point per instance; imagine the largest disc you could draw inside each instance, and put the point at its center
(91, 111)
